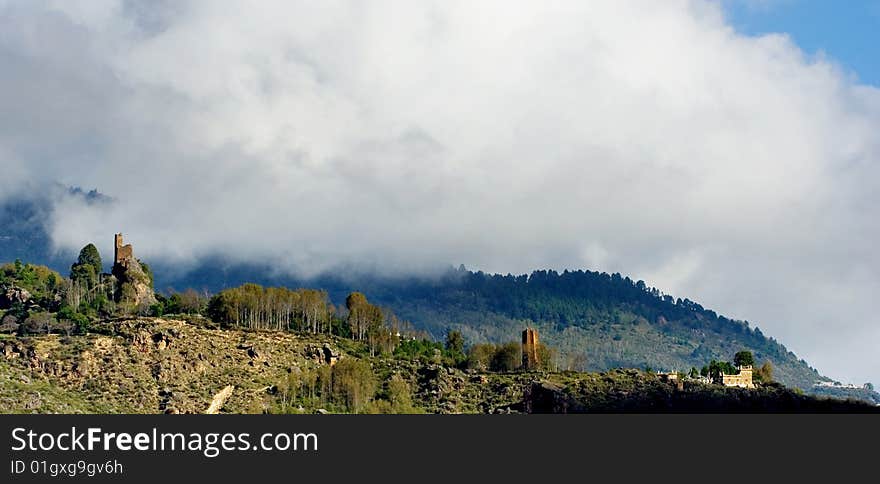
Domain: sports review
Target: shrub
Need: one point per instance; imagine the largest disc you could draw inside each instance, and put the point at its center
(480, 356)
(36, 323)
(80, 322)
(508, 357)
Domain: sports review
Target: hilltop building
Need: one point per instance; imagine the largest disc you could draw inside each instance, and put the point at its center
(837, 384)
(670, 376)
(742, 379)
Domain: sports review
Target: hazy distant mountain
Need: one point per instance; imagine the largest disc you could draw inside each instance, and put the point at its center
(23, 226)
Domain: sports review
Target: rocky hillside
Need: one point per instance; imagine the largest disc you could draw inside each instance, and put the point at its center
(150, 365)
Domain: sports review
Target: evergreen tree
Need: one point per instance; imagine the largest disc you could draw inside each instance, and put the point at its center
(743, 358)
(89, 256)
(455, 345)
(85, 275)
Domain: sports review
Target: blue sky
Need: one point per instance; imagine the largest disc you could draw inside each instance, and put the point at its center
(848, 31)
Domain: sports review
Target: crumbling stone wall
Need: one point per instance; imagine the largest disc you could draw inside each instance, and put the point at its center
(120, 251)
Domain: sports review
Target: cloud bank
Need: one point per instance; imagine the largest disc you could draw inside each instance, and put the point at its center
(643, 137)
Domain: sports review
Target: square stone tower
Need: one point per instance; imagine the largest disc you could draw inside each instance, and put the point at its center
(530, 349)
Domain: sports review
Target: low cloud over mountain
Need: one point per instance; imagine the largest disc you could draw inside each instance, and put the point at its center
(643, 137)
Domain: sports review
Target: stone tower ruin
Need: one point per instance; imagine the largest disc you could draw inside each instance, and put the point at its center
(530, 349)
(133, 285)
(120, 252)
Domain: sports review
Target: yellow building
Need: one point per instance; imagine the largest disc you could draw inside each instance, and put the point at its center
(743, 379)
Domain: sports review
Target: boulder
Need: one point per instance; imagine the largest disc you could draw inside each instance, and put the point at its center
(13, 294)
(219, 399)
(330, 356)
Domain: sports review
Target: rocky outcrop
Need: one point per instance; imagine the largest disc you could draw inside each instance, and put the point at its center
(218, 400)
(12, 294)
(322, 354)
(133, 285)
(547, 397)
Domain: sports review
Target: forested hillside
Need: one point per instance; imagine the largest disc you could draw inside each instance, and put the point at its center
(596, 321)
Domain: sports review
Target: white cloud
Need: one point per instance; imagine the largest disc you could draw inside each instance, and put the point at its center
(642, 137)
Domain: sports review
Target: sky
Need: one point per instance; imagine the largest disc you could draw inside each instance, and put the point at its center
(721, 151)
(844, 31)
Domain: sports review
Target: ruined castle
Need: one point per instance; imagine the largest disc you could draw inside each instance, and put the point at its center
(530, 349)
(133, 284)
(121, 252)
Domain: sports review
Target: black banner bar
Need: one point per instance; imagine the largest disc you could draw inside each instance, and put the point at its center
(401, 448)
